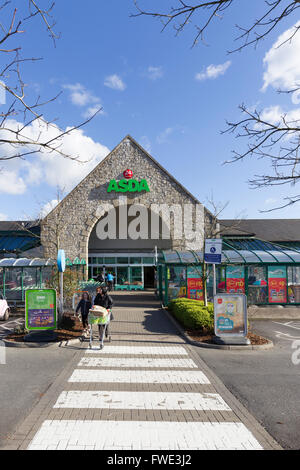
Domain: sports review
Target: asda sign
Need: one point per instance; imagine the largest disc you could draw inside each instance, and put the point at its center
(128, 185)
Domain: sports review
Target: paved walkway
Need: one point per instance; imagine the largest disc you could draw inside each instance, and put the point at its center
(145, 390)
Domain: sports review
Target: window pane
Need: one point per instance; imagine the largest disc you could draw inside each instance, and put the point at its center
(136, 260)
(109, 261)
(148, 260)
(235, 279)
(257, 285)
(221, 279)
(177, 282)
(29, 278)
(136, 275)
(122, 260)
(277, 284)
(13, 290)
(195, 283)
(294, 284)
(122, 275)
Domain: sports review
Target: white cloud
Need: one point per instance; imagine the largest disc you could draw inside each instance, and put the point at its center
(80, 96)
(162, 138)
(275, 114)
(50, 168)
(3, 217)
(282, 65)
(91, 110)
(47, 208)
(213, 71)
(154, 73)
(115, 82)
(11, 182)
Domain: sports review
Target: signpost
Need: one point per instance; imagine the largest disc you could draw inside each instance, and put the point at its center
(213, 251)
(231, 322)
(40, 309)
(61, 266)
(213, 255)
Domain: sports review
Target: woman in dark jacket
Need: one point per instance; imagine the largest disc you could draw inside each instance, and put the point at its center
(84, 305)
(104, 300)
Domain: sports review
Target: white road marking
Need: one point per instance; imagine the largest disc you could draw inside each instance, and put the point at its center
(139, 362)
(141, 400)
(288, 324)
(286, 336)
(139, 376)
(141, 350)
(142, 435)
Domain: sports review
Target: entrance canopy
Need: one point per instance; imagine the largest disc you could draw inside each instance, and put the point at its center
(269, 275)
(233, 256)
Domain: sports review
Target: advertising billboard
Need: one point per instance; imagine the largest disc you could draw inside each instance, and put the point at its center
(230, 314)
(40, 309)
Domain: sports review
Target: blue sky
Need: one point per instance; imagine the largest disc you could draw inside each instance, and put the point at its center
(173, 99)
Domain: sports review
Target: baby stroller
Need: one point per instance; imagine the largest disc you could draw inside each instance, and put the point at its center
(101, 317)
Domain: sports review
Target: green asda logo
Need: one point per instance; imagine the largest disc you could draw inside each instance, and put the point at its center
(128, 185)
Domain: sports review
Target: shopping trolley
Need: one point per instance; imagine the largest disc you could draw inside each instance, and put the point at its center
(97, 318)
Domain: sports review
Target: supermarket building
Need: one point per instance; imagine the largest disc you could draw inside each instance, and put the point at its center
(96, 221)
(132, 218)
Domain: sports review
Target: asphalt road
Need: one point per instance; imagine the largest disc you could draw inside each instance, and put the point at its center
(266, 382)
(25, 377)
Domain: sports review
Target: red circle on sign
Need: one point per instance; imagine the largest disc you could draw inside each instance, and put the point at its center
(128, 174)
(220, 301)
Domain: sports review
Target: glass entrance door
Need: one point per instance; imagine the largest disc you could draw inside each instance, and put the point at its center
(122, 275)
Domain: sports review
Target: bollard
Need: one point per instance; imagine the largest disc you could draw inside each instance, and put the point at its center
(2, 353)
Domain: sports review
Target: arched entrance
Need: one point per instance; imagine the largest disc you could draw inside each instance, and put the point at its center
(125, 248)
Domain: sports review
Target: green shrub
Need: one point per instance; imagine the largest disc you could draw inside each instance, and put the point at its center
(192, 314)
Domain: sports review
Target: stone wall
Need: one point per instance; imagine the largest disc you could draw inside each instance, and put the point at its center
(70, 224)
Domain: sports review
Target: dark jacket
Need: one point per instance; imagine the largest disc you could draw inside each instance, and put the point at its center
(103, 300)
(84, 306)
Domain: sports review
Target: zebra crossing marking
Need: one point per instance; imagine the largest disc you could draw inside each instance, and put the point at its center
(137, 362)
(139, 376)
(141, 400)
(142, 435)
(141, 350)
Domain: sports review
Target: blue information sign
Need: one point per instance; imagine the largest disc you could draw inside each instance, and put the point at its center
(213, 251)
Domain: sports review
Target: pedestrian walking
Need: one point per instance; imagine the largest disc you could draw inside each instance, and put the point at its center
(110, 281)
(84, 306)
(104, 300)
(100, 277)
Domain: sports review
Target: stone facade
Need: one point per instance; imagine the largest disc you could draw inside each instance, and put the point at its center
(70, 224)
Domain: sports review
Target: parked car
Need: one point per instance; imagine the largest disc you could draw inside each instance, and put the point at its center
(4, 309)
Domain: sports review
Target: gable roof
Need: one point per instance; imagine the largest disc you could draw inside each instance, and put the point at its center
(273, 230)
(128, 137)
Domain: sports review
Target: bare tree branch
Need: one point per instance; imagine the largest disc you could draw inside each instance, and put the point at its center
(19, 112)
(203, 13)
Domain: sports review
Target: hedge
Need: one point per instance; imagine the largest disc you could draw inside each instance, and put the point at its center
(192, 314)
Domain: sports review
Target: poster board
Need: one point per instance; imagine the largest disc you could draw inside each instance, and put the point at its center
(40, 309)
(277, 284)
(230, 315)
(194, 283)
(235, 279)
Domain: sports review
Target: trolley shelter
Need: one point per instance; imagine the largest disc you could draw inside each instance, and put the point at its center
(266, 276)
(19, 274)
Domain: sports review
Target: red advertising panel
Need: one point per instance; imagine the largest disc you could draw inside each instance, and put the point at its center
(235, 279)
(277, 284)
(194, 284)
